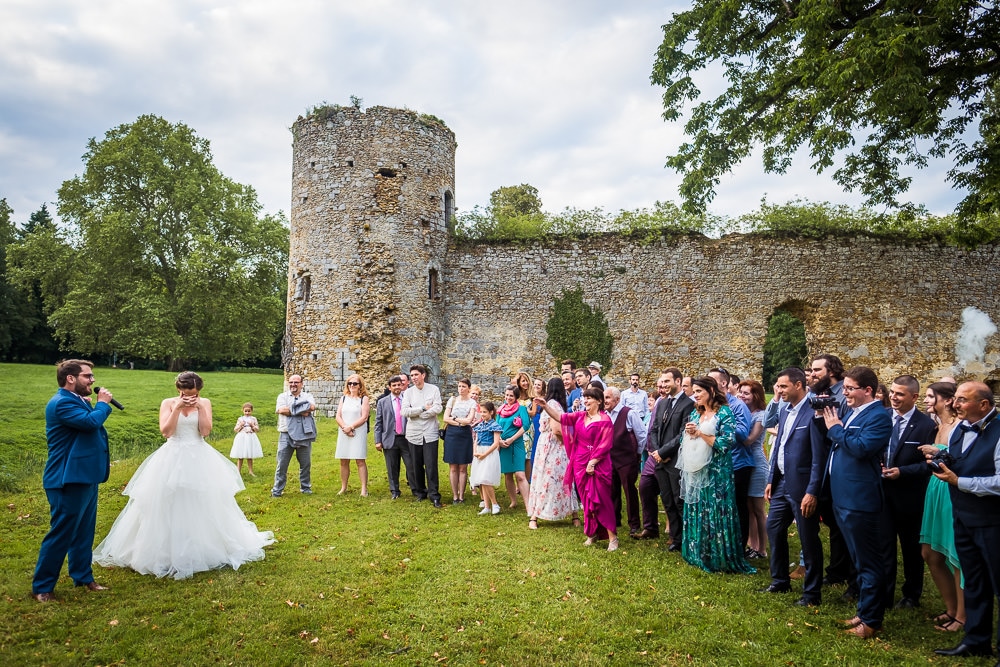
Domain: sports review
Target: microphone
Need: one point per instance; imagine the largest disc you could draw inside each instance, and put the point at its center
(114, 401)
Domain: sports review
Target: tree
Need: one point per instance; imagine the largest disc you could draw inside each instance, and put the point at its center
(163, 256)
(784, 345)
(574, 330)
(907, 80)
(24, 334)
(511, 201)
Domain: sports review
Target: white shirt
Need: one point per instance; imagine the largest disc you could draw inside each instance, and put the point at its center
(786, 431)
(981, 486)
(421, 421)
(285, 401)
(637, 400)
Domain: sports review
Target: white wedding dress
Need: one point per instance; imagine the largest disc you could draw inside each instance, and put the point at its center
(181, 516)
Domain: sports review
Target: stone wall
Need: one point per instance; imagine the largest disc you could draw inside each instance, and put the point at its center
(695, 303)
(375, 285)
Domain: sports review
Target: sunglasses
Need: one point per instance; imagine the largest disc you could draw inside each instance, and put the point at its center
(353, 384)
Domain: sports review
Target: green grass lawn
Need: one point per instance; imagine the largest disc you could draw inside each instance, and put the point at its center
(356, 580)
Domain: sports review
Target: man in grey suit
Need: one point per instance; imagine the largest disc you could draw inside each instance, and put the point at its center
(390, 434)
(660, 474)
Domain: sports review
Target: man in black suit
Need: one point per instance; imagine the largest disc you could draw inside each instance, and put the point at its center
(904, 480)
(666, 427)
(793, 489)
(974, 477)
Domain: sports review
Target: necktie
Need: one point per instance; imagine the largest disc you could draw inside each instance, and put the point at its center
(399, 416)
(893, 439)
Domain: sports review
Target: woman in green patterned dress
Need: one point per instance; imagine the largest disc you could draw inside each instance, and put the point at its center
(711, 523)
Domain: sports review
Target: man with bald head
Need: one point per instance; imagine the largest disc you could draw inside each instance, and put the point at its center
(298, 405)
(974, 479)
(628, 439)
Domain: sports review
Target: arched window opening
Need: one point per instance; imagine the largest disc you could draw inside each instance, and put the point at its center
(784, 345)
(449, 211)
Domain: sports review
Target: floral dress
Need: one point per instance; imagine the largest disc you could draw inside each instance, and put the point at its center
(711, 538)
(549, 499)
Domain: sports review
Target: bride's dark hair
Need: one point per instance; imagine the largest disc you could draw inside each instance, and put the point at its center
(189, 380)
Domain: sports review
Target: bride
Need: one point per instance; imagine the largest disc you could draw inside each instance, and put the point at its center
(181, 516)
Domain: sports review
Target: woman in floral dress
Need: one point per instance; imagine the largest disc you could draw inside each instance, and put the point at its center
(711, 524)
(548, 498)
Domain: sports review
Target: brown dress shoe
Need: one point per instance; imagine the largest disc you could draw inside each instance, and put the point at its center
(798, 573)
(94, 586)
(861, 631)
(43, 597)
(852, 622)
(645, 535)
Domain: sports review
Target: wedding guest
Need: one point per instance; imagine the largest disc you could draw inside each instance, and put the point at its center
(514, 421)
(459, 414)
(752, 394)
(587, 436)
(294, 408)
(548, 498)
(390, 435)
(352, 440)
(421, 406)
(526, 390)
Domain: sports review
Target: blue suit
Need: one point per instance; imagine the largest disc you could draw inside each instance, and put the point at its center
(78, 461)
(855, 477)
(805, 453)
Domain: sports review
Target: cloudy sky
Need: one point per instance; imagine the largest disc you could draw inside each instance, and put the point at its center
(554, 93)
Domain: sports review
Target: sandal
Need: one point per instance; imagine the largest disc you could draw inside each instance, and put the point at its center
(576, 522)
(532, 524)
(953, 625)
(944, 618)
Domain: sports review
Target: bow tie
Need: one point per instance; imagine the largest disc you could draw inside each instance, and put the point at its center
(970, 427)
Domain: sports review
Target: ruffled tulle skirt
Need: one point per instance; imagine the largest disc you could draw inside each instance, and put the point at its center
(182, 516)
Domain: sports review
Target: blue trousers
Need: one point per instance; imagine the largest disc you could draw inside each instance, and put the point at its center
(865, 534)
(72, 520)
(978, 550)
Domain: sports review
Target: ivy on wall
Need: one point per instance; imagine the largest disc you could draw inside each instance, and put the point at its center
(575, 330)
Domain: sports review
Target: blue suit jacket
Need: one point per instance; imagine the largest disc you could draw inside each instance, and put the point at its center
(78, 442)
(805, 454)
(856, 454)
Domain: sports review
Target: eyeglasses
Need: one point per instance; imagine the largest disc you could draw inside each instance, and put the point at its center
(847, 389)
(353, 384)
(89, 376)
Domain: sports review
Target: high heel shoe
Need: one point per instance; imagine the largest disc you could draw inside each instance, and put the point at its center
(613, 545)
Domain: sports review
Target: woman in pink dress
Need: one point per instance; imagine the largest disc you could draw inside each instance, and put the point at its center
(587, 438)
(548, 498)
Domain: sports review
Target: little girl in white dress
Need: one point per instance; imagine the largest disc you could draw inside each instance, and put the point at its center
(181, 516)
(246, 444)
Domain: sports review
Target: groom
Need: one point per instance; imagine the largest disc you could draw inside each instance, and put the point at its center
(78, 462)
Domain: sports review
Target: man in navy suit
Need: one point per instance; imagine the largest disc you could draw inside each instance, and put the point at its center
(904, 480)
(78, 461)
(793, 488)
(854, 471)
(974, 477)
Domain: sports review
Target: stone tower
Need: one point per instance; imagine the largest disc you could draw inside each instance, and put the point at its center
(372, 197)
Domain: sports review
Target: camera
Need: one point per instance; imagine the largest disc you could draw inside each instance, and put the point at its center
(943, 456)
(823, 402)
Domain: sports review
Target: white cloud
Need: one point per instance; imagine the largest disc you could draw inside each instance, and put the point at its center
(555, 94)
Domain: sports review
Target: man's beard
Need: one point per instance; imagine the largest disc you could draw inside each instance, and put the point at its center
(822, 386)
(81, 390)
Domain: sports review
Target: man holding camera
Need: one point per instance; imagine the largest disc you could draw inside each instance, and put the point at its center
(854, 472)
(972, 468)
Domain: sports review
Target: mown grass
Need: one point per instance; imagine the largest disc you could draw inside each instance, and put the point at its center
(374, 581)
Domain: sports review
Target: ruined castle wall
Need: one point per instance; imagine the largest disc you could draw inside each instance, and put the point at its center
(369, 196)
(696, 303)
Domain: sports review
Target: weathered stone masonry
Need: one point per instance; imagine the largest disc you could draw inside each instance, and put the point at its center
(375, 284)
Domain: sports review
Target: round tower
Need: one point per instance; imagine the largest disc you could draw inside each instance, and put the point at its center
(373, 192)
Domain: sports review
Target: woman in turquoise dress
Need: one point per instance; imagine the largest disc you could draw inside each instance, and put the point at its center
(711, 538)
(514, 422)
(937, 530)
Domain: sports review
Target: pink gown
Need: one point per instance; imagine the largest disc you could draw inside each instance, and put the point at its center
(584, 442)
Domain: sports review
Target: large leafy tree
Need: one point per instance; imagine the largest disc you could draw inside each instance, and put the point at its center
(880, 84)
(163, 257)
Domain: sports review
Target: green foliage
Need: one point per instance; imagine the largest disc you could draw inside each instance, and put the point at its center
(784, 345)
(875, 87)
(515, 200)
(163, 257)
(574, 330)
